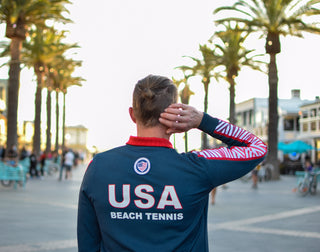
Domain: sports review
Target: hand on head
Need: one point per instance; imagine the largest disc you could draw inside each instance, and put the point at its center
(180, 118)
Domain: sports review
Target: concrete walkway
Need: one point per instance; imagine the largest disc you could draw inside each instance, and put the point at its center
(42, 217)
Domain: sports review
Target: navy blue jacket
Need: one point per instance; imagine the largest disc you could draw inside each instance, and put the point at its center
(145, 196)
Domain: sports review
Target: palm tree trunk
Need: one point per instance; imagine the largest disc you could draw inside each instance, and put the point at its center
(57, 122)
(37, 118)
(185, 142)
(13, 92)
(273, 117)
(204, 138)
(48, 133)
(64, 122)
(232, 93)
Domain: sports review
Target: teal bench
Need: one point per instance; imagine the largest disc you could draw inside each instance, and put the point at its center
(13, 173)
(25, 164)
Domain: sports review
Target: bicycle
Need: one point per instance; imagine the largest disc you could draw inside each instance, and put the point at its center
(308, 183)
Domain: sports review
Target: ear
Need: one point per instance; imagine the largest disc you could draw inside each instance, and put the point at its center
(133, 118)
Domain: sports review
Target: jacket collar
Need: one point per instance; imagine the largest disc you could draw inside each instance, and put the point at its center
(149, 141)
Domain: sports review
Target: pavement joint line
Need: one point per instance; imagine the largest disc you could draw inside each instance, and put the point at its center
(273, 231)
(242, 225)
(43, 246)
(56, 204)
(270, 217)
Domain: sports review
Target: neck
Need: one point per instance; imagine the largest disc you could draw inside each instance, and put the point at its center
(156, 131)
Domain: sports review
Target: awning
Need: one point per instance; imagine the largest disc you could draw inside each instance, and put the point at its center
(296, 146)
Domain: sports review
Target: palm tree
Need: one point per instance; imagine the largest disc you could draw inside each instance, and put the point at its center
(19, 15)
(274, 18)
(204, 67)
(64, 80)
(40, 49)
(231, 54)
(68, 82)
(184, 94)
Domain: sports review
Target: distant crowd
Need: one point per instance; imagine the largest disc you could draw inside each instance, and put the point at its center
(44, 163)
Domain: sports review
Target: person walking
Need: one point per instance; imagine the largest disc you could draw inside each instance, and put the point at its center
(33, 165)
(68, 163)
(43, 158)
(145, 196)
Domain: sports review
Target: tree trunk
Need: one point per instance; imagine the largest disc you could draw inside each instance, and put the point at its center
(272, 157)
(13, 92)
(48, 133)
(204, 136)
(185, 142)
(37, 118)
(185, 97)
(232, 93)
(64, 122)
(57, 122)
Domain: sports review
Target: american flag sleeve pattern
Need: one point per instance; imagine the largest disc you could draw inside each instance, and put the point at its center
(242, 145)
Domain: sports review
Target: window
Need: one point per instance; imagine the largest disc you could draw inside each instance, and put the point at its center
(239, 118)
(288, 124)
(305, 127)
(251, 117)
(304, 114)
(245, 118)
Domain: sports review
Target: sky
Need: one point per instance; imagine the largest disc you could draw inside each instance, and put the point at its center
(123, 41)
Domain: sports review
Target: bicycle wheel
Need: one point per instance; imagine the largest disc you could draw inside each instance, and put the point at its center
(6, 183)
(313, 186)
(303, 187)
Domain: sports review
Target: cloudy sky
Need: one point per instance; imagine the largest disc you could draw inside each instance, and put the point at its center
(123, 41)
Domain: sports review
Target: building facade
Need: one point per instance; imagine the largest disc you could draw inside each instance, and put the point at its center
(298, 119)
(76, 137)
(310, 125)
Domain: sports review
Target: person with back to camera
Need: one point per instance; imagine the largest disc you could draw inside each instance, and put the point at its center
(144, 196)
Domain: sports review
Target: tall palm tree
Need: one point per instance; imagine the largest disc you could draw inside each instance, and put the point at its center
(19, 15)
(204, 67)
(184, 94)
(232, 55)
(274, 18)
(68, 82)
(39, 50)
(64, 80)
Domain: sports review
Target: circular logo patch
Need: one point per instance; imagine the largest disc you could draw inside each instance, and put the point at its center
(142, 166)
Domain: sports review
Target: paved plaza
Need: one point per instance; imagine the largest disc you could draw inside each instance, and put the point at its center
(42, 217)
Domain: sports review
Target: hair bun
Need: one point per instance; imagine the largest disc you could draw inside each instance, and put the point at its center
(147, 93)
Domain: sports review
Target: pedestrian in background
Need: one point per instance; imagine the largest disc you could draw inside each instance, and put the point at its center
(254, 175)
(62, 163)
(68, 163)
(33, 165)
(43, 158)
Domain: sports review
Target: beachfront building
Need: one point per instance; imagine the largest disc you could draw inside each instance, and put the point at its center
(252, 115)
(76, 137)
(310, 124)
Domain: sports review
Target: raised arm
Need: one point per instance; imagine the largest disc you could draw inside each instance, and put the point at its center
(243, 152)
